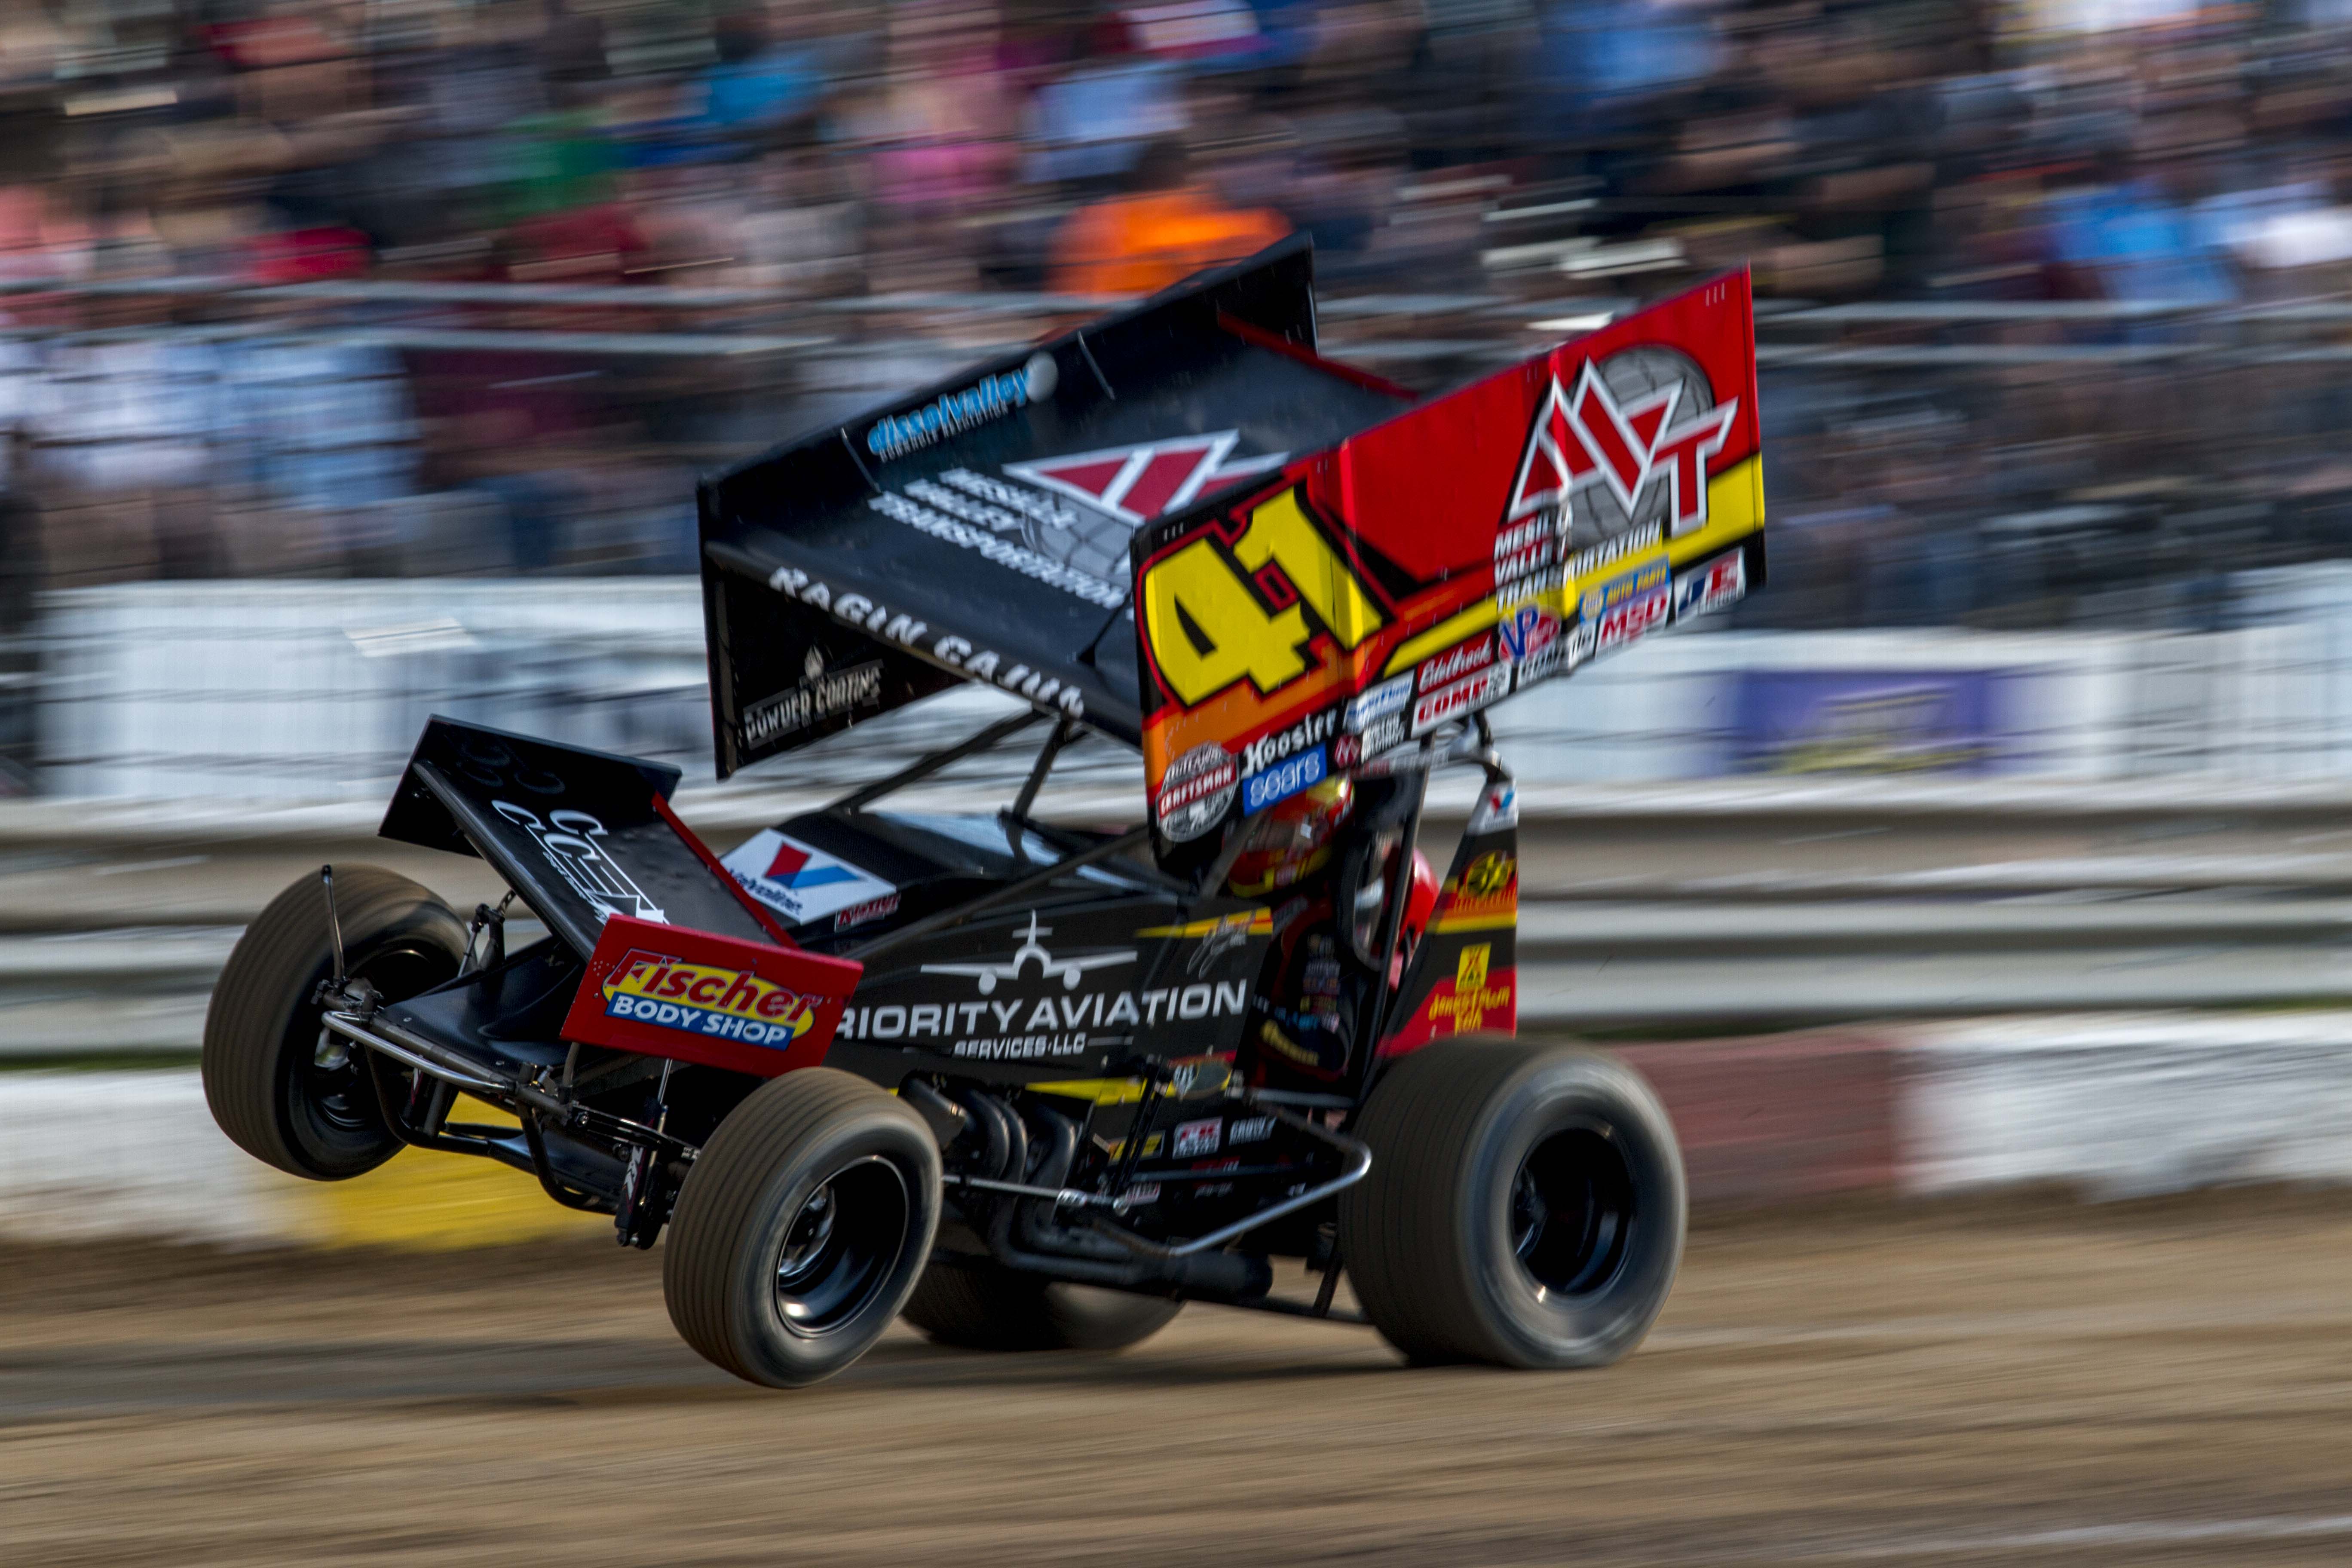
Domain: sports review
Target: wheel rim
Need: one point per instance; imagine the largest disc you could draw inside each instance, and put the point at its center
(1572, 1211)
(841, 1246)
(328, 1081)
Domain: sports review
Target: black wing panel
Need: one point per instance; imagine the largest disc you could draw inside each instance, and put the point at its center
(581, 835)
(978, 529)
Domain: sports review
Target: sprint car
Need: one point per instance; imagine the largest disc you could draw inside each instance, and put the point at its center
(1033, 1085)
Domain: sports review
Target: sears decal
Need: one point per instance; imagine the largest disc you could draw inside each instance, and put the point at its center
(1719, 583)
(802, 882)
(1283, 779)
(705, 999)
(990, 397)
(1463, 697)
(957, 653)
(1195, 792)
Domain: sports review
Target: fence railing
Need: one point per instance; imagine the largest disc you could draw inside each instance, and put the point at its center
(316, 690)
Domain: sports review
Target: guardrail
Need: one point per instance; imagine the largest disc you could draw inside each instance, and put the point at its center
(1502, 323)
(115, 916)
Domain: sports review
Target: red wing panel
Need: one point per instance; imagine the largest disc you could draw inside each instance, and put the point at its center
(668, 991)
(1435, 564)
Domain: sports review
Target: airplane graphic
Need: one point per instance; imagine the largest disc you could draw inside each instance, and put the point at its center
(1048, 967)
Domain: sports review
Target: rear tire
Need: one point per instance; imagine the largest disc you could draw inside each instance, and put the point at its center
(981, 1305)
(263, 1076)
(802, 1228)
(1526, 1206)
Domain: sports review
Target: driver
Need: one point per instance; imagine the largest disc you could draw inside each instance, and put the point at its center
(1318, 979)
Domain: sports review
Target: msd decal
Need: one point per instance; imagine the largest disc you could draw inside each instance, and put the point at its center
(1136, 484)
(1633, 447)
(664, 990)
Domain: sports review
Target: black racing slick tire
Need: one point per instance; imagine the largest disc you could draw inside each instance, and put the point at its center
(1526, 1206)
(979, 1304)
(281, 1095)
(802, 1228)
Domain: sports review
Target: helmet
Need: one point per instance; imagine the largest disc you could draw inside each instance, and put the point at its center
(1290, 841)
(1420, 905)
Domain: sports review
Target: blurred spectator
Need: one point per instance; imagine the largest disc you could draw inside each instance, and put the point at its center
(798, 154)
(1167, 229)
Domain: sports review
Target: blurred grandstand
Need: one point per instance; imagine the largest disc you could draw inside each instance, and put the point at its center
(2052, 322)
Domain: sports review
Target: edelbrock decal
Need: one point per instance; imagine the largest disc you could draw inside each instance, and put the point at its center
(1463, 697)
(800, 881)
(567, 838)
(1456, 662)
(990, 397)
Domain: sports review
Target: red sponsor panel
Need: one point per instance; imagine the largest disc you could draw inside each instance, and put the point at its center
(669, 991)
(1455, 537)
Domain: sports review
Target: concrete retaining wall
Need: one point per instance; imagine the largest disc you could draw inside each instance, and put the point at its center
(2112, 1105)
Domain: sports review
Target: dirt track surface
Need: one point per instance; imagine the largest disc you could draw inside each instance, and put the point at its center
(2127, 1385)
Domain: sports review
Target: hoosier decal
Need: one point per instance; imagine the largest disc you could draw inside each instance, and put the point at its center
(705, 999)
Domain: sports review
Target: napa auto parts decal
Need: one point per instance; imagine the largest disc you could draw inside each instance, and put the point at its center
(1432, 564)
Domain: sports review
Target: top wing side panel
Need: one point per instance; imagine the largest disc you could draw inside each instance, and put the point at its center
(1427, 568)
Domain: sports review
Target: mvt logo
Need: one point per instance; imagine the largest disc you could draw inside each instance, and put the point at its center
(1634, 437)
(1136, 484)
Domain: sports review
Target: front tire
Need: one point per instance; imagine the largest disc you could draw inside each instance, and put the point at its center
(281, 1095)
(1526, 1206)
(979, 1304)
(802, 1228)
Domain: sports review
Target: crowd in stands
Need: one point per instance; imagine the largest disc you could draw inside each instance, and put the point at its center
(806, 154)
